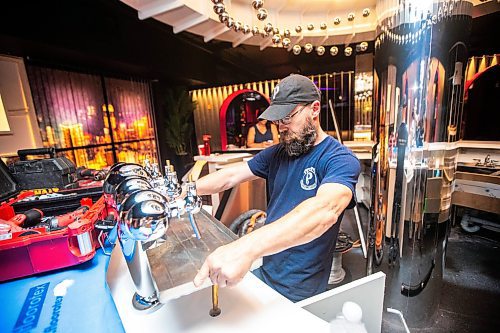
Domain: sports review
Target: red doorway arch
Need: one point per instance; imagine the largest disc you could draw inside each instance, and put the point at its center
(223, 112)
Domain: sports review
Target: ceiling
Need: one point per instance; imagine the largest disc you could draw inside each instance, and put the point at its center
(107, 36)
(198, 17)
(322, 22)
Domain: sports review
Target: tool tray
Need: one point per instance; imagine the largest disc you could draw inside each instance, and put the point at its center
(41, 173)
(38, 249)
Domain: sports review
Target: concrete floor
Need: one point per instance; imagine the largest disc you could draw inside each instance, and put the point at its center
(470, 294)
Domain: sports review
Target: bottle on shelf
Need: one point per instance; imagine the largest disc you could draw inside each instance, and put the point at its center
(206, 144)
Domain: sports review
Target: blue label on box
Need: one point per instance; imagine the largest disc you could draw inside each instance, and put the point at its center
(32, 307)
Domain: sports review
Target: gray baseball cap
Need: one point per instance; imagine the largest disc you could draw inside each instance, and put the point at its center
(293, 90)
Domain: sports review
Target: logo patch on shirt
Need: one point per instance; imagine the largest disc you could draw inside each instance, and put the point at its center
(309, 180)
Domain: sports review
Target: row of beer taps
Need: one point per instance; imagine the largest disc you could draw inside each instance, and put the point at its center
(143, 200)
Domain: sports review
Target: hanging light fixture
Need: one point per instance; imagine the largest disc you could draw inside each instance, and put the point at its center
(296, 49)
(219, 8)
(268, 28)
(238, 26)
(262, 14)
(282, 36)
(257, 4)
(362, 47)
(230, 23)
(223, 17)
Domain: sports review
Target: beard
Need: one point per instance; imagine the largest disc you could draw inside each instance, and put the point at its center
(298, 143)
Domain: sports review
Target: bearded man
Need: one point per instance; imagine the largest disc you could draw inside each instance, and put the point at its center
(311, 180)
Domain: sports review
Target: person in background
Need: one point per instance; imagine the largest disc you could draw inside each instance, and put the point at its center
(262, 135)
(311, 180)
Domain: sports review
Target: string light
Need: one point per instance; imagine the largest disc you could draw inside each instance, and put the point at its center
(283, 39)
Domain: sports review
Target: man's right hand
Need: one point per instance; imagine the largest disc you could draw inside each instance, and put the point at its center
(227, 265)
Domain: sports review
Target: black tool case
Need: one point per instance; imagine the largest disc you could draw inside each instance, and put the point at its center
(8, 185)
(51, 200)
(53, 172)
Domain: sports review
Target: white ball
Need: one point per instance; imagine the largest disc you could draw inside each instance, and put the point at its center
(352, 312)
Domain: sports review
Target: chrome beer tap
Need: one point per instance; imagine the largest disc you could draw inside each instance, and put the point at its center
(122, 178)
(142, 228)
(147, 166)
(127, 186)
(117, 174)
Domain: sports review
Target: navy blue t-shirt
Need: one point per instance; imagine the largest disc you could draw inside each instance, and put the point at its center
(302, 271)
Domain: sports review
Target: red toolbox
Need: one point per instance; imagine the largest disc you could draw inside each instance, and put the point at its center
(41, 248)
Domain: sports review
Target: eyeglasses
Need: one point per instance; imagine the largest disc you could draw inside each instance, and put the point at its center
(288, 119)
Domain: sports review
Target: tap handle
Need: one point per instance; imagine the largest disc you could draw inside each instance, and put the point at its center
(172, 185)
(192, 201)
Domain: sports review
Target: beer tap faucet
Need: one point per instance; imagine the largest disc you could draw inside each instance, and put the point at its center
(192, 205)
(144, 225)
(157, 180)
(173, 191)
(147, 165)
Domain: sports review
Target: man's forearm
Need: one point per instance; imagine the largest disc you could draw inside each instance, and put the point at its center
(212, 183)
(223, 179)
(306, 222)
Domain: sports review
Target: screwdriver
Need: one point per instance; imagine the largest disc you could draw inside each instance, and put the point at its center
(215, 310)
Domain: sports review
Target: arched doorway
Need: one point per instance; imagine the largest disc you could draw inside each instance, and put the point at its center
(481, 118)
(238, 112)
